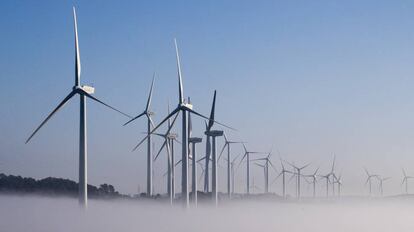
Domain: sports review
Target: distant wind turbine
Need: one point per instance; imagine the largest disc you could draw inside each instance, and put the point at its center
(283, 175)
(298, 176)
(368, 181)
(314, 180)
(227, 144)
(169, 139)
(150, 124)
(267, 163)
(207, 157)
(405, 180)
(381, 182)
(247, 157)
(184, 108)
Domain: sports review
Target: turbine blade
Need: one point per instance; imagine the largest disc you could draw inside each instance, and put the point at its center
(292, 165)
(366, 171)
(277, 177)
(316, 171)
(235, 158)
(291, 178)
(213, 108)
(190, 123)
(201, 159)
(273, 167)
(306, 166)
(61, 104)
(103, 103)
(168, 112)
(180, 81)
(150, 94)
(133, 119)
(200, 115)
(366, 182)
(245, 154)
(152, 122)
(221, 152)
(260, 165)
(162, 147)
(225, 137)
(77, 55)
(155, 128)
(333, 163)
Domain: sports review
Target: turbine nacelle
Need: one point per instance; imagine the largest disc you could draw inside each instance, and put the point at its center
(195, 140)
(84, 88)
(214, 133)
(185, 106)
(172, 135)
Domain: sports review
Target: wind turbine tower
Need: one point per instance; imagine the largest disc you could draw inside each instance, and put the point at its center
(150, 125)
(84, 92)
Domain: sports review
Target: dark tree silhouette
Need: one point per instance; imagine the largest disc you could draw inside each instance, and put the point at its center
(52, 186)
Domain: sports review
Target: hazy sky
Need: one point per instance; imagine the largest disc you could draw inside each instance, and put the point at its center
(310, 78)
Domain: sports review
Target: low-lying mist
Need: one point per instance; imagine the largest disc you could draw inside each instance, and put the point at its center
(44, 214)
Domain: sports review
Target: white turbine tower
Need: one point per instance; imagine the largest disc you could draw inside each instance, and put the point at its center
(193, 142)
(185, 109)
(313, 178)
(247, 157)
(368, 181)
(207, 157)
(265, 166)
(84, 92)
(283, 174)
(405, 180)
(298, 176)
(169, 139)
(381, 183)
(150, 124)
(326, 177)
(229, 165)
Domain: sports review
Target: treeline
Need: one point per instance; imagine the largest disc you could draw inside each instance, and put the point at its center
(52, 186)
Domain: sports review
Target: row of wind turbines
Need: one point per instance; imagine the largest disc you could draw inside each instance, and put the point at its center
(208, 162)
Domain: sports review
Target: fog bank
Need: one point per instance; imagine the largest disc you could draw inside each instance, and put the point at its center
(43, 214)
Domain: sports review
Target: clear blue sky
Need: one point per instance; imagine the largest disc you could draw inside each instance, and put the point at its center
(307, 77)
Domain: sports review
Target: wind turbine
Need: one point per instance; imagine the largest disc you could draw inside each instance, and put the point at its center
(229, 168)
(313, 177)
(214, 183)
(233, 172)
(266, 165)
(184, 108)
(150, 124)
(297, 173)
(339, 182)
(169, 139)
(168, 143)
(84, 92)
(405, 179)
(326, 177)
(369, 177)
(207, 159)
(247, 157)
(381, 181)
(283, 174)
(332, 174)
